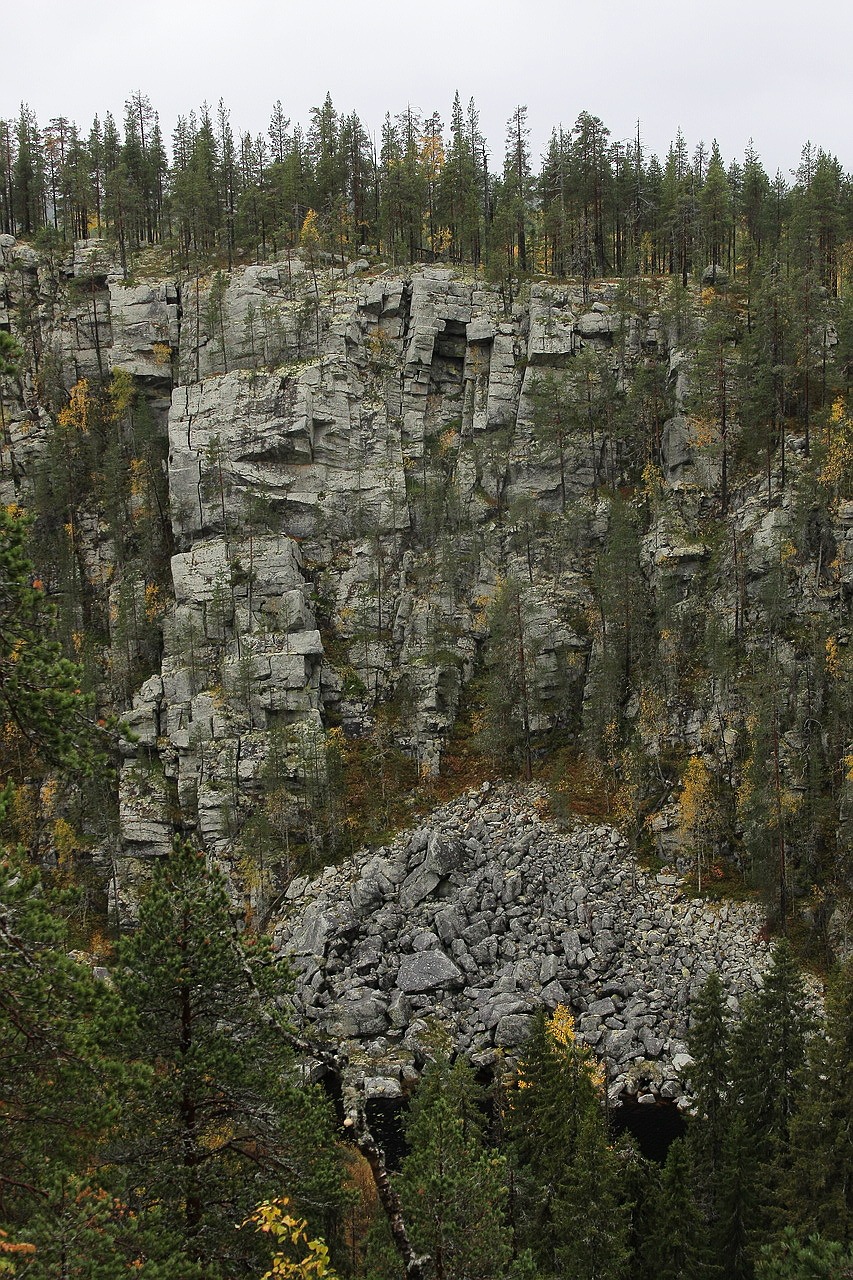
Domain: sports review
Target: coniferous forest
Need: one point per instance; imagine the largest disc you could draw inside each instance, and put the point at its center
(432, 468)
(424, 193)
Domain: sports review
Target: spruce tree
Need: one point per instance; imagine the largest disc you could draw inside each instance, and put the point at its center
(820, 1186)
(676, 1244)
(567, 1204)
(768, 1060)
(737, 1201)
(590, 1218)
(708, 1042)
(452, 1187)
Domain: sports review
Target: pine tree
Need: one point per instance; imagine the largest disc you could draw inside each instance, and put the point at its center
(459, 196)
(812, 1259)
(227, 176)
(517, 185)
(754, 205)
(590, 174)
(11, 361)
(28, 176)
(553, 420)
(715, 210)
(195, 186)
(327, 160)
(61, 1085)
(225, 1121)
(553, 187)
(620, 603)
(715, 385)
(6, 191)
(509, 682)
(46, 715)
(358, 216)
(54, 1030)
(763, 370)
(88, 1231)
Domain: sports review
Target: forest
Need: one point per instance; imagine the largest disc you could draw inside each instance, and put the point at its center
(594, 208)
(661, 492)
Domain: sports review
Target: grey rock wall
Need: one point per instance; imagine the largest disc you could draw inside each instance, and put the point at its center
(354, 466)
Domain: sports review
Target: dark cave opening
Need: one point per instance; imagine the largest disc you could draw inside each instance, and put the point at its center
(654, 1126)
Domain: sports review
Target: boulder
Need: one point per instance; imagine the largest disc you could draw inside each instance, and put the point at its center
(428, 971)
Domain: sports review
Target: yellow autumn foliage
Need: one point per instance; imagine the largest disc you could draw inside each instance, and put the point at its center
(75, 416)
(12, 1249)
(121, 393)
(833, 658)
(309, 236)
(697, 798)
(155, 605)
(698, 811)
(65, 841)
(296, 1257)
(837, 469)
(432, 154)
(560, 1027)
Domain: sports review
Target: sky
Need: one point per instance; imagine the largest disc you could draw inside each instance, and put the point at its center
(779, 73)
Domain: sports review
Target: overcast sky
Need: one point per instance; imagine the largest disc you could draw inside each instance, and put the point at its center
(734, 69)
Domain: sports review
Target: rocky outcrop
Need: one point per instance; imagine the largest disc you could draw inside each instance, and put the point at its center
(144, 329)
(489, 912)
(294, 450)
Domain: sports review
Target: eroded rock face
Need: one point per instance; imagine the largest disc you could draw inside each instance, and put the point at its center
(381, 425)
(490, 912)
(356, 463)
(416, 401)
(144, 328)
(297, 450)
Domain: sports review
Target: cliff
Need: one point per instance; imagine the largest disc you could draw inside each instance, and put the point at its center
(403, 508)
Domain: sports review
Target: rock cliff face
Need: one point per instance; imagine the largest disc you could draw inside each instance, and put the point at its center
(416, 404)
(356, 464)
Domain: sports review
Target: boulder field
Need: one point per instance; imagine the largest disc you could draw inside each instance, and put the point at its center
(490, 911)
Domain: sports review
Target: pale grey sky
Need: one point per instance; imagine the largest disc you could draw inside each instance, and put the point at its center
(777, 71)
